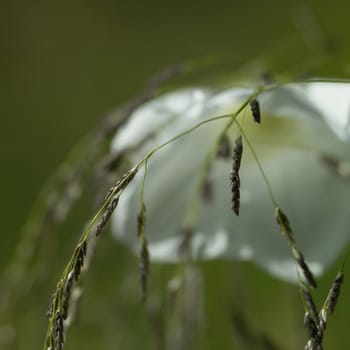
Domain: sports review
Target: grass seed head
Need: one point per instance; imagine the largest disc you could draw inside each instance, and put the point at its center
(234, 175)
(255, 108)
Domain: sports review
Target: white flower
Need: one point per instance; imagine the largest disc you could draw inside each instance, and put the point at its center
(300, 123)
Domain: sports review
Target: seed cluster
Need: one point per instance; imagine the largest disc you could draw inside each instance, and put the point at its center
(144, 269)
(286, 230)
(234, 175)
(144, 265)
(60, 304)
(255, 107)
(60, 308)
(316, 324)
(334, 292)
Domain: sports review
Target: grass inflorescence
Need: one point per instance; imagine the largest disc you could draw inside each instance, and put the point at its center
(286, 230)
(255, 107)
(61, 309)
(144, 253)
(316, 322)
(56, 330)
(235, 181)
(29, 262)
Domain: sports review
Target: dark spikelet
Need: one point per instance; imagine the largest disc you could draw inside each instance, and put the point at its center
(66, 295)
(184, 249)
(141, 221)
(234, 175)
(106, 215)
(207, 191)
(84, 248)
(283, 221)
(311, 326)
(80, 253)
(286, 230)
(58, 332)
(60, 305)
(51, 305)
(313, 345)
(144, 269)
(140, 224)
(317, 329)
(144, 254)
(334, 292)
(122, 183)
(255, 107)
(224, 147)
(310, 304)
(115, 191)
(306, 271)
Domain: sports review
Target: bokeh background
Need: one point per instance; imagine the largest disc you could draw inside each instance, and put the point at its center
(62, 66)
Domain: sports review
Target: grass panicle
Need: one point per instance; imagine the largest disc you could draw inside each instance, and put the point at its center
(59, 195)
(311, 318)
(234, 175)
(317, 324)
(59, 308)
(255, 108)
(24, 271)
(99, 221)
(286, 230)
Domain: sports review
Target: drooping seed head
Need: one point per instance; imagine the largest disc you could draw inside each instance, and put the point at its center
(234, 175)
(255, 108)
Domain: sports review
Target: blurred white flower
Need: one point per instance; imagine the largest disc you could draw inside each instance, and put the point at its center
(300, 123)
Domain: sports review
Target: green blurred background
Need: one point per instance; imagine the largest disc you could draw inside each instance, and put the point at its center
(62, 66)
